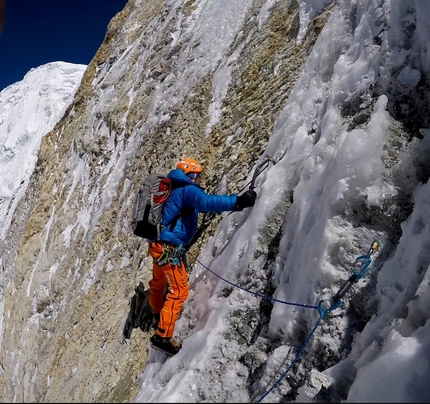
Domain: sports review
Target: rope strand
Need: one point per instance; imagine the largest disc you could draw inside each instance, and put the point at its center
(336, 301)
(250, 291)
(296, 358)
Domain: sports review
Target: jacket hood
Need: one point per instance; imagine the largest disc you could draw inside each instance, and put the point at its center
(180, 179)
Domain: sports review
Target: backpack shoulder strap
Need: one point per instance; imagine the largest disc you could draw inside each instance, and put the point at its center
(183, 212)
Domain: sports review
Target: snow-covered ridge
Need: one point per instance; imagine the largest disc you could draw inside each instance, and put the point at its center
(29, 109)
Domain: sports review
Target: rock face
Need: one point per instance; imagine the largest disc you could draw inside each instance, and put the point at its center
(72, 259)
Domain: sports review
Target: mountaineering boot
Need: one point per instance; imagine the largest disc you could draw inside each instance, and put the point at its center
(168, 345)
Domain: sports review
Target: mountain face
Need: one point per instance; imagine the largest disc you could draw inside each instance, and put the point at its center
(30, 108)
(335, 92)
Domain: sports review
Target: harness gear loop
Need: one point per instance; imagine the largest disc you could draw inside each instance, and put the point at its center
(171, 254)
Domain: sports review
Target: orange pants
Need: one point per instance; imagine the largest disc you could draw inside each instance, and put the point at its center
(175, 276)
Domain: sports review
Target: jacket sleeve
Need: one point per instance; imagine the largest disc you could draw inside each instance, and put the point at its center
(195, 197)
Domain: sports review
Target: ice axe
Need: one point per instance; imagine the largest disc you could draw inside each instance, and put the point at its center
(209, 216)
(258, 170)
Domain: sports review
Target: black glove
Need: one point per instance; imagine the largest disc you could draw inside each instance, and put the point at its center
(245, 200)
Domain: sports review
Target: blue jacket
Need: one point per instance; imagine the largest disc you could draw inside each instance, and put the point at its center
(189, 199)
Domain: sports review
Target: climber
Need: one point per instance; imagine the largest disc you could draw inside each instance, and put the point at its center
(186, 200)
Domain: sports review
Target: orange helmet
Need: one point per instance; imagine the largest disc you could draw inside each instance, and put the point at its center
(188, 165)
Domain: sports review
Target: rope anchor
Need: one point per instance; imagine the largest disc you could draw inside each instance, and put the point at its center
(327, 305)
(323, 307)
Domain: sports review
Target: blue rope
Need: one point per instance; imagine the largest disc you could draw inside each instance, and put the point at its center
(299, 352)
(365, 265)
(254, 293)
(322, 311)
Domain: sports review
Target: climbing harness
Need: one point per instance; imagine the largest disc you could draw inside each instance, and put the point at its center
(324, 306)
(171, 254)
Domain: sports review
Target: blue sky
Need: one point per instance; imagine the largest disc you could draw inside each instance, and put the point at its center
(43, 31)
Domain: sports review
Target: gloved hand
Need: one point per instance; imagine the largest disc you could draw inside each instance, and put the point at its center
(245, 200)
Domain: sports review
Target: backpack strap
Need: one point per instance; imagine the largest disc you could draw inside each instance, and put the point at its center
(183, 213)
